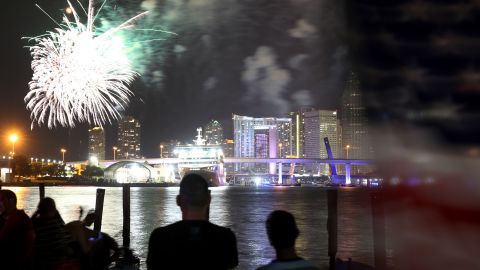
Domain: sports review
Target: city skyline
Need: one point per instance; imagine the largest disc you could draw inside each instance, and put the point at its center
(252, 63)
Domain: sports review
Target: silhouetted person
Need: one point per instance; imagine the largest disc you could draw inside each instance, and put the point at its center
(81, 233)
(96, 250)
(282, 232)
(194, 242)
(16, 234)
(52, 241)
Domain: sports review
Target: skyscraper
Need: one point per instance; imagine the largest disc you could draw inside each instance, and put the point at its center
(328, 128)
(298, 137)
(213, 133)
(129, 138)
(245, 139)
(355, 141)
(96, 143)
(312, 134)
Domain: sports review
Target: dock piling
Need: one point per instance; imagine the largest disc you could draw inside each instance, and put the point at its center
(97, 226)
(126, 215)
(332, 198)
(378, 216)
(41, 190)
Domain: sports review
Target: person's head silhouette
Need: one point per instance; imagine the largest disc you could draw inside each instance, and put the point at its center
(8, 201)
(281, 229)
(194, 197)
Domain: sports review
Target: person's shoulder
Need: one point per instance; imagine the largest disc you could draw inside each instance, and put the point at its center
(166, 229)
(220, 228)
(299, 264)
(19, 216)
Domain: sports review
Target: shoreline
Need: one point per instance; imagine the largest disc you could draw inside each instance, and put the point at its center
(86, 184)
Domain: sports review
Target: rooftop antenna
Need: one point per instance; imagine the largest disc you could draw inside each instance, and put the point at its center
(199, 140)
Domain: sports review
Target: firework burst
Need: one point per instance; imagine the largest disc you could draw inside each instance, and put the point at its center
(79, 75)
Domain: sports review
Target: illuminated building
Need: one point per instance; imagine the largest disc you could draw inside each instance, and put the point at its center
(298, 137)
(96, 143)
(129, 138)
(244, 135)
(227, 147)
(213, 133)
(318, 125)
(265, 141)
(328, 128)
(354, 123)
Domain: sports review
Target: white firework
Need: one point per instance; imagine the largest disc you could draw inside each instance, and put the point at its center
(79, 76)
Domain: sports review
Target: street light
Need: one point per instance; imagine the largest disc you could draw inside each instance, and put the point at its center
(63, 150)
(280, 147)
(161, 150)
(347, 147)
(115, 152)
(13, 138)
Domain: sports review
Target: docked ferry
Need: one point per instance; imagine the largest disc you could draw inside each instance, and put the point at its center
(203, 159)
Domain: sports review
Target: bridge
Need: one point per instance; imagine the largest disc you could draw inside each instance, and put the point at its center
(205, 162)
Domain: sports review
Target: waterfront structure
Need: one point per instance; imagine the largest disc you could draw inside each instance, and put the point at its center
(96, 143)
(213, 133)
(355, 140)
(128, 144)
(315, 126)
(245, 140)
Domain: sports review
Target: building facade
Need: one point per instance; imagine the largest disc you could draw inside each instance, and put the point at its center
(96, 143)
(328, 124)
(129, 146)
(279, 138)
(355, 137)
(298, 127)
(213, 133)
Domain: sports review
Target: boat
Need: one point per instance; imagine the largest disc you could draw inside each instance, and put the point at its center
(201, 158)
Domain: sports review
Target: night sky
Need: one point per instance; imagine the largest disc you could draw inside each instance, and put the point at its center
(260, 58)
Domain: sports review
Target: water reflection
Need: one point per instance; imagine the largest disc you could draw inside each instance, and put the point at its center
(242, 209)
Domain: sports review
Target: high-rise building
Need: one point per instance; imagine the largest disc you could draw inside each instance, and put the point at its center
(265, 138)
(298, 137)
(314, 126)
(213, 133)
(311, 135)
(129, 138)
(227, 147)
(355, 140)
(245, 139)
(328, 129)
(96, 143)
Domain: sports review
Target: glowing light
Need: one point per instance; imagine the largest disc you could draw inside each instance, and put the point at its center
(13, 138)
(93, 161)
(258, 181)
(79, 74)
